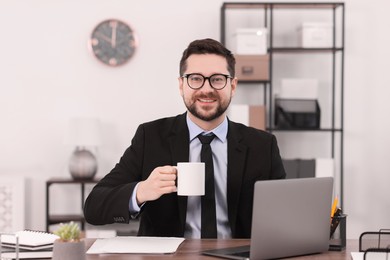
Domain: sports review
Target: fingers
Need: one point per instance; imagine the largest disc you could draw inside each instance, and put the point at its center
(165, 173)
(160, 181)
(167, 183)
(166, 177)
(166, 170)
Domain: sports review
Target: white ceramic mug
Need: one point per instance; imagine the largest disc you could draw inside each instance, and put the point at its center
(190, 178)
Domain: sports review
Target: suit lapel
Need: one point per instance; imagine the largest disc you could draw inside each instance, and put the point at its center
(179, 146)
(236, 164)
(179, 140)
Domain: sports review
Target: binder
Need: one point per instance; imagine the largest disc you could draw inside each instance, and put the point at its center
(297, 113)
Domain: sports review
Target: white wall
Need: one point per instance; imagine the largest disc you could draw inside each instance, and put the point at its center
(48, 76)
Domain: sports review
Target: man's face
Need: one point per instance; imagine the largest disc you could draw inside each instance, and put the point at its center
(206, 103)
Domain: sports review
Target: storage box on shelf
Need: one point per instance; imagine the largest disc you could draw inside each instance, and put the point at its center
(298, 88)
(251, 41)
(297, 114)
(316, 35)
(252, 67)
(254, 115)
(296, 106)
(306, 168)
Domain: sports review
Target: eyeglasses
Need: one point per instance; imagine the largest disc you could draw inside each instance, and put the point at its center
(196, 81)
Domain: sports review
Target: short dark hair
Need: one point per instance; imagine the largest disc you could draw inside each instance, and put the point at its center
(208, 46)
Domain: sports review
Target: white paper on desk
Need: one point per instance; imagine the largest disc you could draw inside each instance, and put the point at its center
(369, 256)
(137, 245)
(357, 255)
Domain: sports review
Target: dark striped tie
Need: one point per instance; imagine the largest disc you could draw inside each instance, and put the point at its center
(209, 221)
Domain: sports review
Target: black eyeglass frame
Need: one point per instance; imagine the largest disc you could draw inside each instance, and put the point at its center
(207, 78)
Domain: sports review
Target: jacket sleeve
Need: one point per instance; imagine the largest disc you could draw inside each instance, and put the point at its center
(109, 200)
(277, 167)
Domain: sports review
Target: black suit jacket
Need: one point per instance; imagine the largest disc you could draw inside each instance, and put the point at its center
(252, 155)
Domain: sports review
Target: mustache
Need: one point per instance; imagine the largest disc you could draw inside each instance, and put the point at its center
(213, 96)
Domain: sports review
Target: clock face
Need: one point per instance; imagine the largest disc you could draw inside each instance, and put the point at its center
(113, 42)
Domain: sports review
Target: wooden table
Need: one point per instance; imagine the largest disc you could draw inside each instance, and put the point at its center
(192, 248)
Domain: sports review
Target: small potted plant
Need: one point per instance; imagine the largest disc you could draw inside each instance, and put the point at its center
(69, 245)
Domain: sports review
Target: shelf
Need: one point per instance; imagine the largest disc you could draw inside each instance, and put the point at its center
(306, 129)
(280, 5)
(70, 181)
(254, 81)
(304, 50)
(282, 40)
(55, 219)
(61, 218)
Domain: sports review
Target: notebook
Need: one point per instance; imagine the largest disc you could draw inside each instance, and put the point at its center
(30, 240)
(27, 255)
(291, 217)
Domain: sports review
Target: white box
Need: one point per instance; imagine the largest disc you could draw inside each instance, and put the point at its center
(249, 115)
(325, 167)
(250, 41)
(316, 35)
(302, 88)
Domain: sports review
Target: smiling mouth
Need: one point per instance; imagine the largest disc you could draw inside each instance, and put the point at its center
(206, 100)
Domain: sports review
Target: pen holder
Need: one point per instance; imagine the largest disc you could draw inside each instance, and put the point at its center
(338, 240)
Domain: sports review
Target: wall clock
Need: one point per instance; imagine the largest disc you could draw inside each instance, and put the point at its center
(113, 42)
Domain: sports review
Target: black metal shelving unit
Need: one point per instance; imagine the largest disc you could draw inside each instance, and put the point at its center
(337, 12)
(62, 218)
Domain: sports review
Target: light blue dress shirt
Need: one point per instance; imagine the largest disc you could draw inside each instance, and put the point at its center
(219, 149)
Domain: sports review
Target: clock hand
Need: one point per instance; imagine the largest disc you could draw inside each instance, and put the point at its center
(103, 37)
(113, 36)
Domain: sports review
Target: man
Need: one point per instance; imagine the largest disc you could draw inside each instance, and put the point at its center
(144, 181)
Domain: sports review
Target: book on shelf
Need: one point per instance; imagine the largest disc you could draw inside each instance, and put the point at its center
(29, 240)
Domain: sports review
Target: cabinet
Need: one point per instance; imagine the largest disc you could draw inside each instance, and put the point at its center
(58, 218)
(290, 54)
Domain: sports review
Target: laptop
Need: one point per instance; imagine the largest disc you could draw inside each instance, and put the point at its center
(290, 217)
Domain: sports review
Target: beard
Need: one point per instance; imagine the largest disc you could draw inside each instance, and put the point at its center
(208, 115)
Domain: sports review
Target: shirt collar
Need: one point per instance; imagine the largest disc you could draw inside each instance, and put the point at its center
(220, 131)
